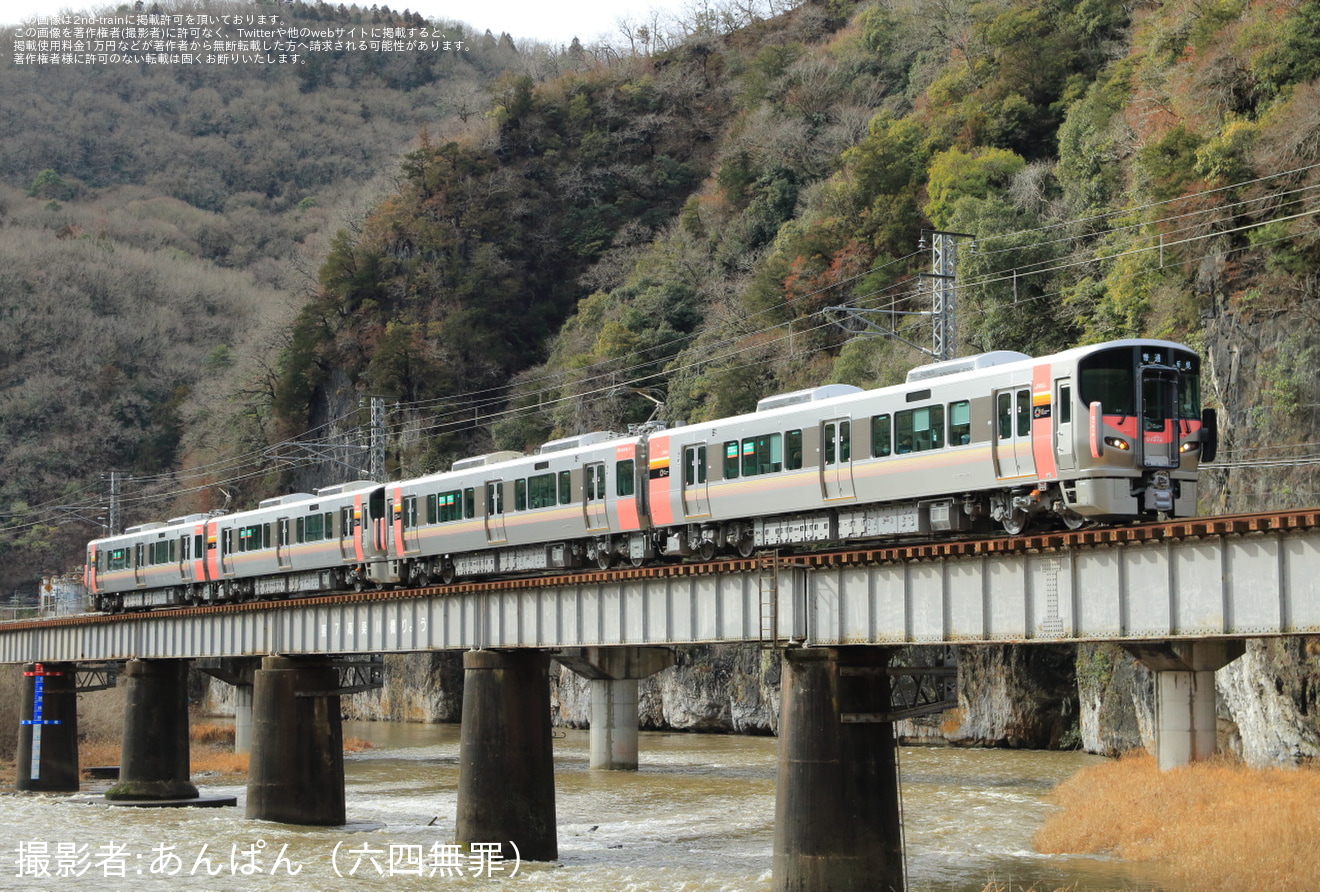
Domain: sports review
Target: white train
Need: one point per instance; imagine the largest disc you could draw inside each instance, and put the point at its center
(1108, 433)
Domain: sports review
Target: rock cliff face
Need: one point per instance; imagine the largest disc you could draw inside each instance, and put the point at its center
(1009, 696)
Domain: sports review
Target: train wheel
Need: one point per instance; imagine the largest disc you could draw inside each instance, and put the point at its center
(1072, 520)
(604, 556)
(1015, 522)
(746, 547)
(705, 550)
(448, 573)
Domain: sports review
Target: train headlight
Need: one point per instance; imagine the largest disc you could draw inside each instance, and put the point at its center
(1189, 447)
(1118, 443)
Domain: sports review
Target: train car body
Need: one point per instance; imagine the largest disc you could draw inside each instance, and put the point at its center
(295, 544)
(1103, 433)
(1106, 433)
(578, 501)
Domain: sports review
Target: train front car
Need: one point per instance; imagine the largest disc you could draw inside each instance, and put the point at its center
(1142, 435)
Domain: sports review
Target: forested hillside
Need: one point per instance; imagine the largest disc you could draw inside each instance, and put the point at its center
(575, 241)
(159, 230)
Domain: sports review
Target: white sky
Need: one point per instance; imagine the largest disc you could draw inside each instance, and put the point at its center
(543, 20)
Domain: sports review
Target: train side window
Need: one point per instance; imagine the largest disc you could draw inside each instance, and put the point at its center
(749, 464)
(470, 502)
(731, 455)
(565, 488)
(433, 508)
(302, 529)
(793, 450)
(960, 423)
(919, 430)
(880, 436)
(1024, 413)
(315, 526)
(541, 491)
(1005, 415)
(520, 495)
(197, 546)
(625, 478)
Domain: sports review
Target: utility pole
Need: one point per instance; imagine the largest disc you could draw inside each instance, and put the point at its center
(114, 503)
(943, 299)
(377, 454)
(943, 311)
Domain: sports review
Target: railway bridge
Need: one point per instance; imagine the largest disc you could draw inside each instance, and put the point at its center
(1182, 596)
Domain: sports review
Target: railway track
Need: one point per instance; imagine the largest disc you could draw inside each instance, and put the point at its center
(1180, 529)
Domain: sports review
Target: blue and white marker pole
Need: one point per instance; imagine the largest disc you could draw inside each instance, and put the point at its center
(48, 729)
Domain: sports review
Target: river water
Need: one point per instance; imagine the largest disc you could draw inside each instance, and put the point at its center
(697, 817)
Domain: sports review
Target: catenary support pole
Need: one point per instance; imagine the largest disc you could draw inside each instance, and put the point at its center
(48, 729)
(837, 824)
(154, 760)
(506, 781)
(296, 770)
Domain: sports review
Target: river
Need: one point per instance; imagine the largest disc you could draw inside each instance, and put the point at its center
(697, 817)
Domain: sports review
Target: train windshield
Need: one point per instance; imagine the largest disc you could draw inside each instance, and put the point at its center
(1110, 377)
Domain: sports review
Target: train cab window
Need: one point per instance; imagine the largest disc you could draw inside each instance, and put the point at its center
(731, 455)
(960, 423)
(793, 450)
(625, 478)
(565, 488)
(919, 430)
(881, 435)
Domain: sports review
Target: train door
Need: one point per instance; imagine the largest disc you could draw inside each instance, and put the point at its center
(227, 552)
(694, 481)
(836, 458)
(349, 530)
(283, 553)
(495, 511)
(1159, 418)
(593, 496)
(406, 524)
(1013, 434)
(185, 558)
(1064, 449)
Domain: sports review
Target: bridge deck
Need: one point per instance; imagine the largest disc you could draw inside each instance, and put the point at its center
(1211, 577)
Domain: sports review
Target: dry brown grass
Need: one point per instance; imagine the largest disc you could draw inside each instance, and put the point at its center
(213, 760)
(211, 734)
(1220, 825)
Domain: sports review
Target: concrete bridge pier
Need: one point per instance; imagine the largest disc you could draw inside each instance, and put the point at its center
(238, 672)
(837, 824)
(1185, 721)
(47, 759)
(614, 674)
(506, 779)
(296, 772)
(154, 759)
